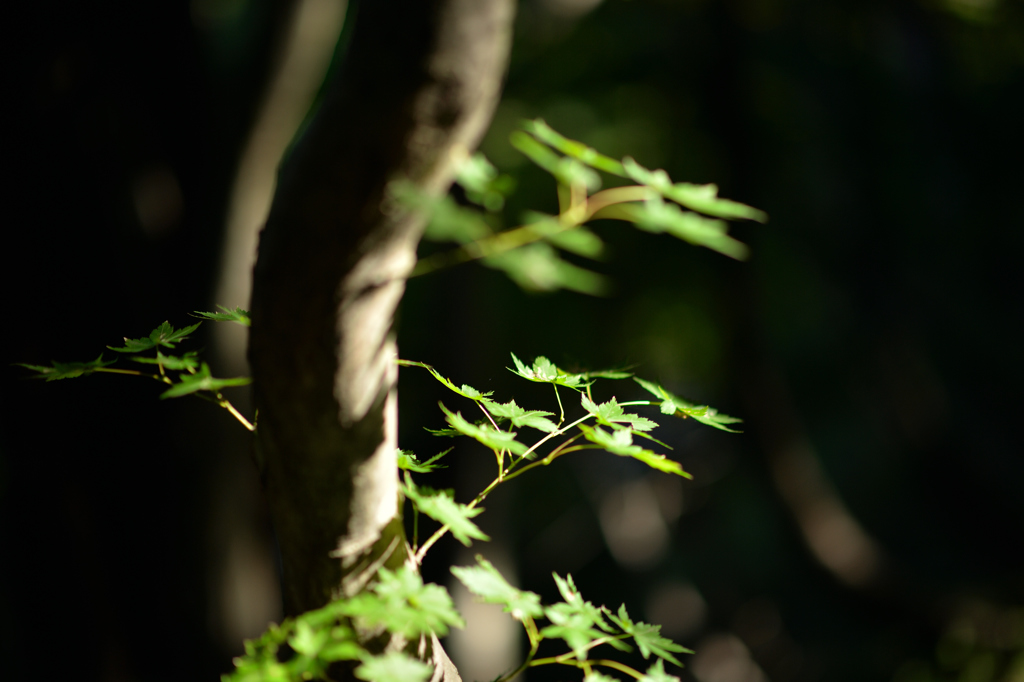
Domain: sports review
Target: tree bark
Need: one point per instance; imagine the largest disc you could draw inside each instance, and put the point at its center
(416, 89)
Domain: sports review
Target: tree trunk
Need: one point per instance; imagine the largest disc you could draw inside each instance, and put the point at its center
(417, 87)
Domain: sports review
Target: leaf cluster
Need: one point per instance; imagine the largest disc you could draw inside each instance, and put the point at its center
(532, 254)
(303, 648)
(183, 373)
(581, 625)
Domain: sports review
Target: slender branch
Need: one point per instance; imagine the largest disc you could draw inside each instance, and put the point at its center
(535, 639)
(585, 664)
(131, 372)
(422, 552)
(557, 452)
(575, 209)
(226, 404)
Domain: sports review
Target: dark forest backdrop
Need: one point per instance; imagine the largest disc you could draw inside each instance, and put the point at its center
(869, 523)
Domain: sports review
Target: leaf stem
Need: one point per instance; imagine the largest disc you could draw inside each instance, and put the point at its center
(575, 209)
(605, 662)
(226, 404)
(422, 552)
(132, 372)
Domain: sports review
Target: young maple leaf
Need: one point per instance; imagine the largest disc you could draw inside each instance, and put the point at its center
(491, 587)
(611, 414)
(648, 637)
(442, 507)
(544, 371)
(671, 404)
(66, 370)
(164, 335)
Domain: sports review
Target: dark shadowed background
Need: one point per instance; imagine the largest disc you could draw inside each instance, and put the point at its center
(867, 525)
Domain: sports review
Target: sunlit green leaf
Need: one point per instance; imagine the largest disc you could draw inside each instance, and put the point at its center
(519, 417)
(201, 381)
(164, 335)
(442, 507)
(599, 677)
(407, 460)
(566, 170)
(485, 433)
(648, 637)
(611, 414)
(573, 238)
(483, 184)
(542, 131)
(620, 442)
(672, 404)
(446, 219)
(544, 371)
(465, 391)
(187, 361)
(341, 650)
(308, 641)
(703, 198)
(575, 620)
(655, 215)
(400, 602)
(450, 433)
(656, 673)
(393, 667)
(608, 374)
(66, 370)
(537, 267)
(237, 315)
(487, 583)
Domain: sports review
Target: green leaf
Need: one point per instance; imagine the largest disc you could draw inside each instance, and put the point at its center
(611, 414)
(703, 198)
(567, 171)
(465, 391)
(450, 433)
(620, 442)
(542, 131)
(599, 677)
(186, 362)
(577, 630)
(403, 604)
(575, 620)
(483, 184)
(407, 461)
(441, 506)
(66, 370)
(537, 267)
(446, 219)
(485, 433)
(519, 417)
(487, 583)
(573, 598)
(237, 315)
(544, 371)
(608, 374)
(573, 238)
(201, 381)
(656, 673)
(341, 650)
(164, 335)
(648, 637)
(675, 405)
(393, 667)
(655, 215)
(308, 641)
